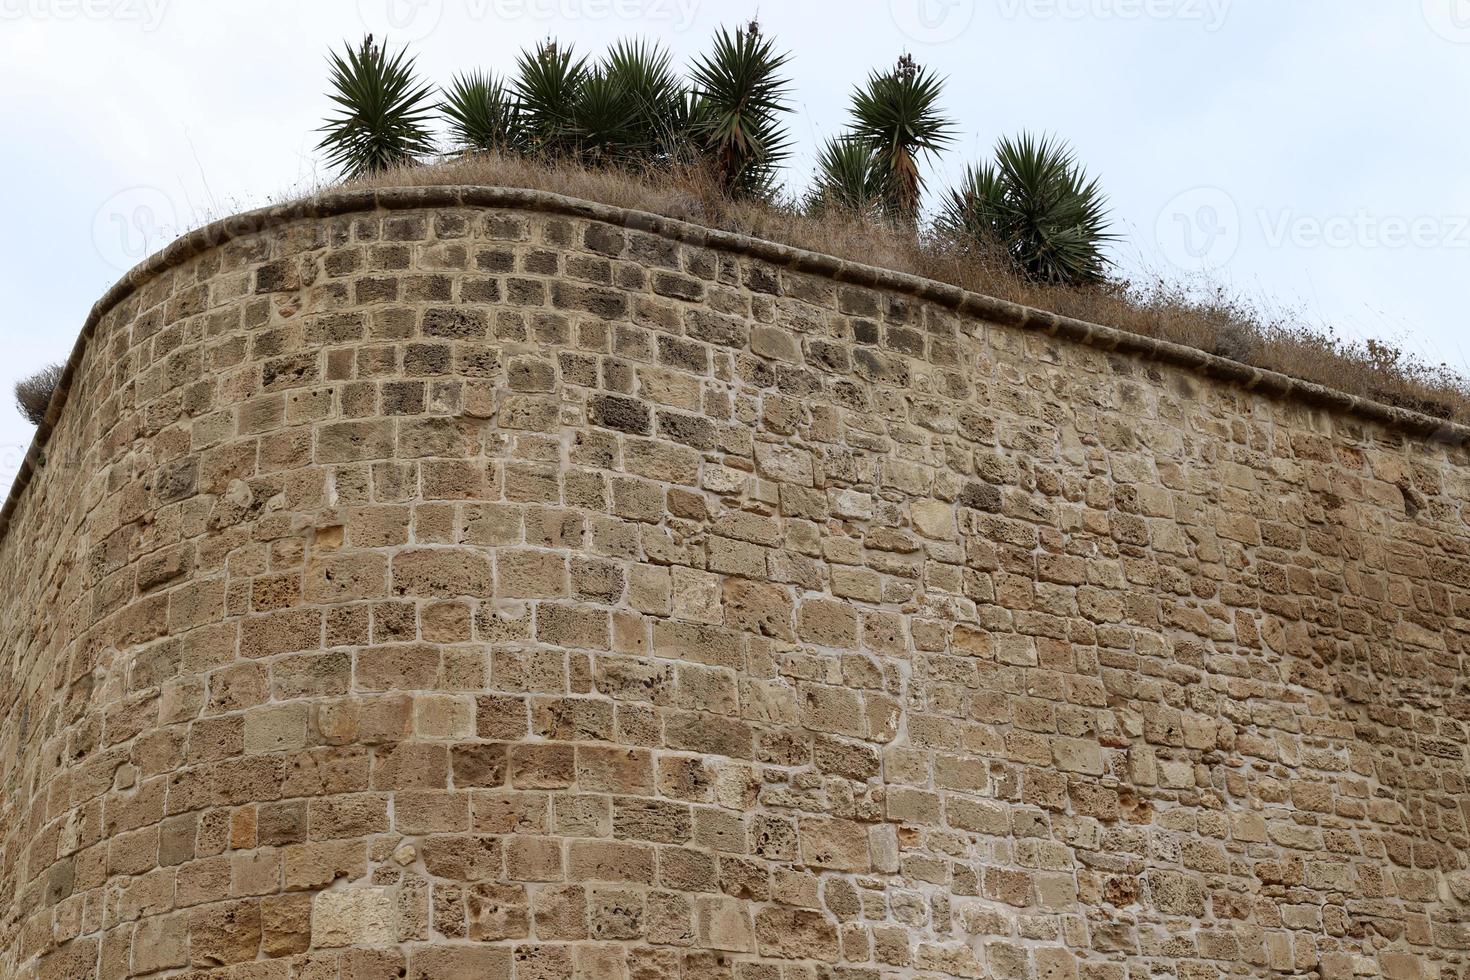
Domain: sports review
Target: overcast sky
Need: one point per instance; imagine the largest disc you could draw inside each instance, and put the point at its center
(1312, 152)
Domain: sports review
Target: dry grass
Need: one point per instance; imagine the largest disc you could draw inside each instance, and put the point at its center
(1207, 319)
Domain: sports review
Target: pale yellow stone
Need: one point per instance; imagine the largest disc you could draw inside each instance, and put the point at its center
(354, 916)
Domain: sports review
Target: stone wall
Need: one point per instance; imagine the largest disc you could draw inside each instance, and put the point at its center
(472, 583)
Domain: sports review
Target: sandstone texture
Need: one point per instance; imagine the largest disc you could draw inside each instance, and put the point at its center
(537, 591)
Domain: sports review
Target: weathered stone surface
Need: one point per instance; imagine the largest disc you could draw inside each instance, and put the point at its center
(353, 917)
(475, 592)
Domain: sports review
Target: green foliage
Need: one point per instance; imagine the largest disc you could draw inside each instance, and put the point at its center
(1035, 203)
(736, 110)
(896, 115)
(656, 96)
(847, 179)
(631, 109)
(617, 111)
(605, 120)
(482, 114)
(548, 86)
(384, 111)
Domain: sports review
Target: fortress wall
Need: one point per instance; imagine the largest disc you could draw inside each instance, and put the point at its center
(482, 584)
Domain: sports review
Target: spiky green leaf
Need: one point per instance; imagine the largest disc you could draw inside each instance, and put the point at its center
(847, 179)
(482, 113)
(548, 86)
(605, 120)
(656, 96)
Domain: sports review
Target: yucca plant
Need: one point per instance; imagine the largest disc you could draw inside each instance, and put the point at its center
(655, 95)
(897, 116)
(627, 109)
(481, 112)
(547, 87)
(384, 111)
(605, 120)
(1034, 203)
(847, 180)
(736, 104)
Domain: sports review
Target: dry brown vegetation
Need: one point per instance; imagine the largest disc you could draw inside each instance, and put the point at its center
(1207, 319)
(33, 394)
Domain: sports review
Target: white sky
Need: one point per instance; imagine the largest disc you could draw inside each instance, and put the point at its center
(1313, 152)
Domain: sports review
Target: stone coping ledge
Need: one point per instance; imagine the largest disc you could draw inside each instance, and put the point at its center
(350, 201)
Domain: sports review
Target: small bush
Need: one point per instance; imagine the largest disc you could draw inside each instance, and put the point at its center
(33, 394)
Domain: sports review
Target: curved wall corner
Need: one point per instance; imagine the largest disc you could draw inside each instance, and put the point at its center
(475, 583)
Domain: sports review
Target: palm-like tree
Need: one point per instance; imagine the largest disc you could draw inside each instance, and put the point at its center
(1035, 203)
(736, 105)
(384, 111)
(896, 115)
(847, 179)
(482, 113)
